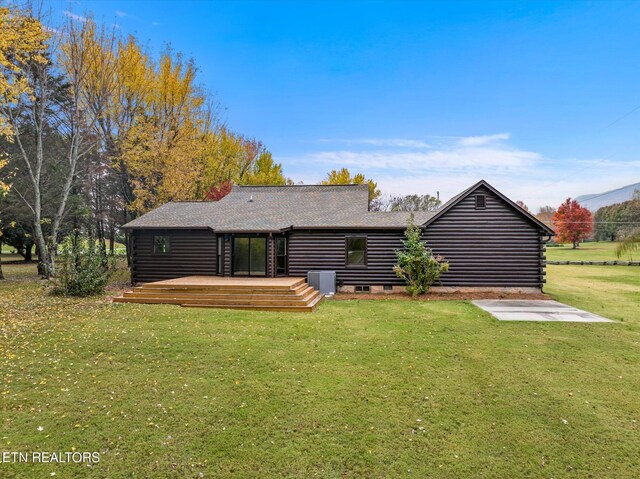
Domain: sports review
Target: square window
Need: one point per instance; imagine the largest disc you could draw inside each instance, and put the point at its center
(357, 251)
(161, 245)
(362, 289)
(481, 201)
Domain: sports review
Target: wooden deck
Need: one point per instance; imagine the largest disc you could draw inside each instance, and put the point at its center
(263, 294)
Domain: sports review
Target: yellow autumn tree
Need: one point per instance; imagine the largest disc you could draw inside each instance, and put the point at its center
(22, 42)
(160, 150)
(344, 177)
(151, 117)
(26, 78)
(219, 154)
(159, 130)
(4, 178)
(265, 172)
(231, 157)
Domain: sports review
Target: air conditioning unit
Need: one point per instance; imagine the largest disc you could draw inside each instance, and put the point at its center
(323, 281)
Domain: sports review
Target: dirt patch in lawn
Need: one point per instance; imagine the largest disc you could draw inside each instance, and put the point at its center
(441, 296)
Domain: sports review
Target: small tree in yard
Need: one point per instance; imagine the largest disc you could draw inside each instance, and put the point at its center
(573, 223)
(417, 265)
(84, 267)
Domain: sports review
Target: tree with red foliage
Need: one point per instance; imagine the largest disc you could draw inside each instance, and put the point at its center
(216, 193)
(573, 223)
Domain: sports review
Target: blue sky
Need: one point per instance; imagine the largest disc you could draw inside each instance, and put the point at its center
(542, 99)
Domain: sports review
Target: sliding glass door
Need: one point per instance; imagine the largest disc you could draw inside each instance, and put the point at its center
(249, 256)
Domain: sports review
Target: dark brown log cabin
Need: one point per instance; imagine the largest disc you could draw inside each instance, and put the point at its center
(269, 231)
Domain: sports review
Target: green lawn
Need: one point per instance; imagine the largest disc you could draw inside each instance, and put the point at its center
(593, 251)
(358, 389)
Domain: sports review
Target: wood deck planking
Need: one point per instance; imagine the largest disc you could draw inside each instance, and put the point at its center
(227, 282)
(266, 294)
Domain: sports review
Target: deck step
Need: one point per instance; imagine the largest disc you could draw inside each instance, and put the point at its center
(199, 290)
(217, 302)
(296, 296)
(308, 308)
(225, 287)
(214, 297)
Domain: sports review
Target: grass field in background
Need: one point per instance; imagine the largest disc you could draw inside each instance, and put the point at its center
(591, 251)
(11, 257)
(9, 250)
(357, 389)
(611, 291)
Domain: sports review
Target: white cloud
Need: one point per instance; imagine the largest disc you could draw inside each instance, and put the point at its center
(484, 139)
(381, 142)
(607, 163)
(73, 16)
(120, 13)
(156, 24)
(451, 164)
(452, 154)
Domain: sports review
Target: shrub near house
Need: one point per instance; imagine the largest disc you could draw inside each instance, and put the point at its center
(84, 267)
(417, 265)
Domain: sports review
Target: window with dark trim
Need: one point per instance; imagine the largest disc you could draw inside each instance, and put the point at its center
(161, 245)
(219, 255)
(481, 201)
(356, 250)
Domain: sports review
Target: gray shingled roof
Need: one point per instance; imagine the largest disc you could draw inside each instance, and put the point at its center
(276, 208)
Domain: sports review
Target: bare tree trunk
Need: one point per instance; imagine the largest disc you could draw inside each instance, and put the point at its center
(1, 273)
(35, 173)
(44, 269)
(57, 219)
(75, 57)
(112, 240)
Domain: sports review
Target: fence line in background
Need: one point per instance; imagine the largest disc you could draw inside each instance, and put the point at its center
(598, 263)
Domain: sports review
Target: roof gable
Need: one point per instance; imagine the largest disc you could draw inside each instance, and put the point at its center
(482, 183)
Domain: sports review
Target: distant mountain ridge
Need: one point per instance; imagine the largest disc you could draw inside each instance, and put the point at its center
(597, 200)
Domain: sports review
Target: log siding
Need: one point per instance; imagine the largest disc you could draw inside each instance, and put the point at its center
(192, 252)
(491, 246)
(326, 250)
(494, 246)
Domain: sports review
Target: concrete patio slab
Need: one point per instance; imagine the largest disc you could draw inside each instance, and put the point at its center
(536, 310)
